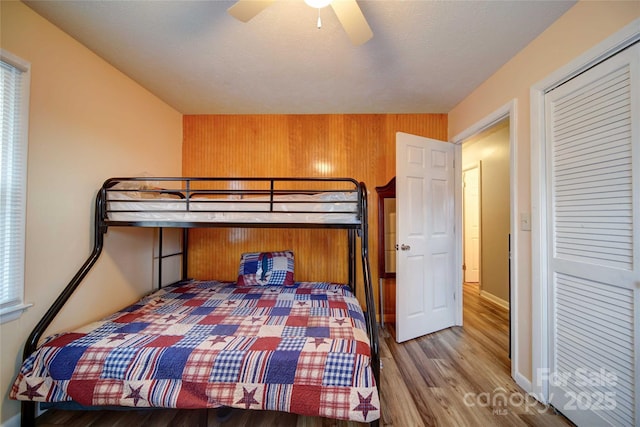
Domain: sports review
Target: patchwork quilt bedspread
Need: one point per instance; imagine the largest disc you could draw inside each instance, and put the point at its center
(301, 349)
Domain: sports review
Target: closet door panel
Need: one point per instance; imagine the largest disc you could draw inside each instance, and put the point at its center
(593, 188)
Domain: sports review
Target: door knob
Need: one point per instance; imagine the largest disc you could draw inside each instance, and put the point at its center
(405, 247)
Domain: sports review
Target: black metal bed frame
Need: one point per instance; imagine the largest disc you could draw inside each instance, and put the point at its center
(186, 194)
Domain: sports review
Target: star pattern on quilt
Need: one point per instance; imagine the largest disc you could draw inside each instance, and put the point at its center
(230, 303)
(171, 318)
(32, 391)
(217, 340)
(340, 321)
(135, 395)
(248, 397)
(319, 341)
(302, 303)
(118, 337)
(255, 319)
(365, 405)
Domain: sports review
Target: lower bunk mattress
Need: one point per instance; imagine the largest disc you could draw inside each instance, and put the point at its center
(204, 344)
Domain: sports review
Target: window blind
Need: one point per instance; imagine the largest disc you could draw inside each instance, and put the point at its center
(12, 184)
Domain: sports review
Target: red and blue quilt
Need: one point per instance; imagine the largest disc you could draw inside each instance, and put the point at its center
(203, 344)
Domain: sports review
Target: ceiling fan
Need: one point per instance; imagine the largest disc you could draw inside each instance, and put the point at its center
(348, 12)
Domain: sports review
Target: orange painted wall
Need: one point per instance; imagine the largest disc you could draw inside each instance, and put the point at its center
(583, 27)
(87, 122)
(357, 146)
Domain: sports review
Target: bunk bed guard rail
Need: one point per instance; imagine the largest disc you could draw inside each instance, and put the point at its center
(248, 202)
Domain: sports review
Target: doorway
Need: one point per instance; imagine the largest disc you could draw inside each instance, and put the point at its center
(416, 192)
(490, 145)
(485, 162)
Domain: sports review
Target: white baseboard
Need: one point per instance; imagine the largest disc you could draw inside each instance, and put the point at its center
(494, 299)
(523, 382)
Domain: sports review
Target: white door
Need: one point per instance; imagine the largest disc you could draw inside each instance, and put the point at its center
(425, 201)
(593, 175)
(471, 201)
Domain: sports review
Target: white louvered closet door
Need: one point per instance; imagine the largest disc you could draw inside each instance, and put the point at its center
(593, 187)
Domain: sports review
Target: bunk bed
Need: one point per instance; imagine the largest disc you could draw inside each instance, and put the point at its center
(263, 342)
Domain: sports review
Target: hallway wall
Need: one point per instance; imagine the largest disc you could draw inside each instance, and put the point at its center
(491, 147)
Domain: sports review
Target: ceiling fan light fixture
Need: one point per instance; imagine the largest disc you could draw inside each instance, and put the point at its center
(347, 11)
(318, 4)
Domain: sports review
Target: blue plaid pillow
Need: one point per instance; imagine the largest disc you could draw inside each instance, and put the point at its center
(266, 269)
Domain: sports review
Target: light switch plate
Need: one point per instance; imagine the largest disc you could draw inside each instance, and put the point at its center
(525, 221)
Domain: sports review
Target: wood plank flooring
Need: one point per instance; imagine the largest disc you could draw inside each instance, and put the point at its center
(456, 377)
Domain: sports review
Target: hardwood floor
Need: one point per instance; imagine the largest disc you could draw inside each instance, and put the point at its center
(456, 377)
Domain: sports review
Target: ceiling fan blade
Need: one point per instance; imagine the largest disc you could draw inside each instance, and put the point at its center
(352, 20)
(244, 10)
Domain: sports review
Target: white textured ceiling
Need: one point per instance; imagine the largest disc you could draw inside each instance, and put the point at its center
(425, 56)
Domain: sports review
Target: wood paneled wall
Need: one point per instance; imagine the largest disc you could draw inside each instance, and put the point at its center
(357, 146)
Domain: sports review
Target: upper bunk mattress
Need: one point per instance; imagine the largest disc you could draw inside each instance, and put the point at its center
(301, 349)
(321, 208)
